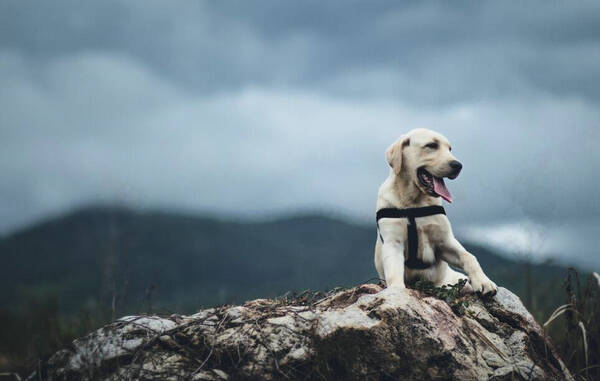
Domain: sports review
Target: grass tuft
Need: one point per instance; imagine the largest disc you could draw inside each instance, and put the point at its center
(451, 294)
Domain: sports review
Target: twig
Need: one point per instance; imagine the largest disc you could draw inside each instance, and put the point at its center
(15, 375)
(204, 362)
(475, 329)
(585, 343)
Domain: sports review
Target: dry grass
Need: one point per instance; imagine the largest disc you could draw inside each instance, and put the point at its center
(575, 326)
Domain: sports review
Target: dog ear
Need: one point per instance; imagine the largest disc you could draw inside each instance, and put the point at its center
(393, 154)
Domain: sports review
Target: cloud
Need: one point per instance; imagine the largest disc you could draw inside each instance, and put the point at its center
(569, 242)
(432, 53)
(138, 138)
(264, 108)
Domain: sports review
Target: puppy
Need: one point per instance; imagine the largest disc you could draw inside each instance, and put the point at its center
(419, 162)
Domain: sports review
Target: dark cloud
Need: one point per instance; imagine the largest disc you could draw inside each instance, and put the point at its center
(266, 107)
(506, 47)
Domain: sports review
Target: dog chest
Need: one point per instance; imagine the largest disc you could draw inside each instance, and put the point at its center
(426, 249)
(395, 231)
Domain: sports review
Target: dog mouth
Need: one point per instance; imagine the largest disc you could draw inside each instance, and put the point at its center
(433, 185)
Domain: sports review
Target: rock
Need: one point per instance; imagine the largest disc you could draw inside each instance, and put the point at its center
(363, 333)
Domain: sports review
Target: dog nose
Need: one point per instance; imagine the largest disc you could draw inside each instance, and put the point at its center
(455, 165)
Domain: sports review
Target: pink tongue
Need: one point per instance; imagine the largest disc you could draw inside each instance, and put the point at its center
(440, 188)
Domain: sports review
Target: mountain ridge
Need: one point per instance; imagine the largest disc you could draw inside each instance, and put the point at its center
(182, 260)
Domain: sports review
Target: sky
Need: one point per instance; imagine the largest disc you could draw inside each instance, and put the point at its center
(261, 108)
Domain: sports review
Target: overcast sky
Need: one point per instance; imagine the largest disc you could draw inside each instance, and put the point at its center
(258, 108)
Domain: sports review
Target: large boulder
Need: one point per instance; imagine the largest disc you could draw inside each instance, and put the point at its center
(362, 333)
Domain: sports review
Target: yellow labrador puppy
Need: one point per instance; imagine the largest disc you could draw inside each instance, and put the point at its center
(415, 240)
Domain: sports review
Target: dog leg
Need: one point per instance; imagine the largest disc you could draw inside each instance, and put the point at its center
(452, 277)
(455, 254)
(392, 258)
(378, 260)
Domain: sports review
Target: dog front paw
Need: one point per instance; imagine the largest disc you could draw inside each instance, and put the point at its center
(483, 285)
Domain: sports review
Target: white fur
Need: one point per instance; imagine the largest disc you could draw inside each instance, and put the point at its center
(437, 244)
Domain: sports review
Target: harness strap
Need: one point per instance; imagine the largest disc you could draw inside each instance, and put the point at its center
(413, 262)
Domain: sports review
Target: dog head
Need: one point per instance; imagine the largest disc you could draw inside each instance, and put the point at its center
(424, 158)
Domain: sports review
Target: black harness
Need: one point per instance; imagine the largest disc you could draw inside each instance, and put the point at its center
(413, 262)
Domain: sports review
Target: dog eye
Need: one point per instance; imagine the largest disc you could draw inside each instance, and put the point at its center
(432, 145)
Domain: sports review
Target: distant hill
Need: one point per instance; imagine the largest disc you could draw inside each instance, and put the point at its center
(181, 262)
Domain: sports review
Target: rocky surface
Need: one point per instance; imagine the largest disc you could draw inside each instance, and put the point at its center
(363, 333)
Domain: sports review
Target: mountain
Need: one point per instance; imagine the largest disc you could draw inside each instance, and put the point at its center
(176, 262)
